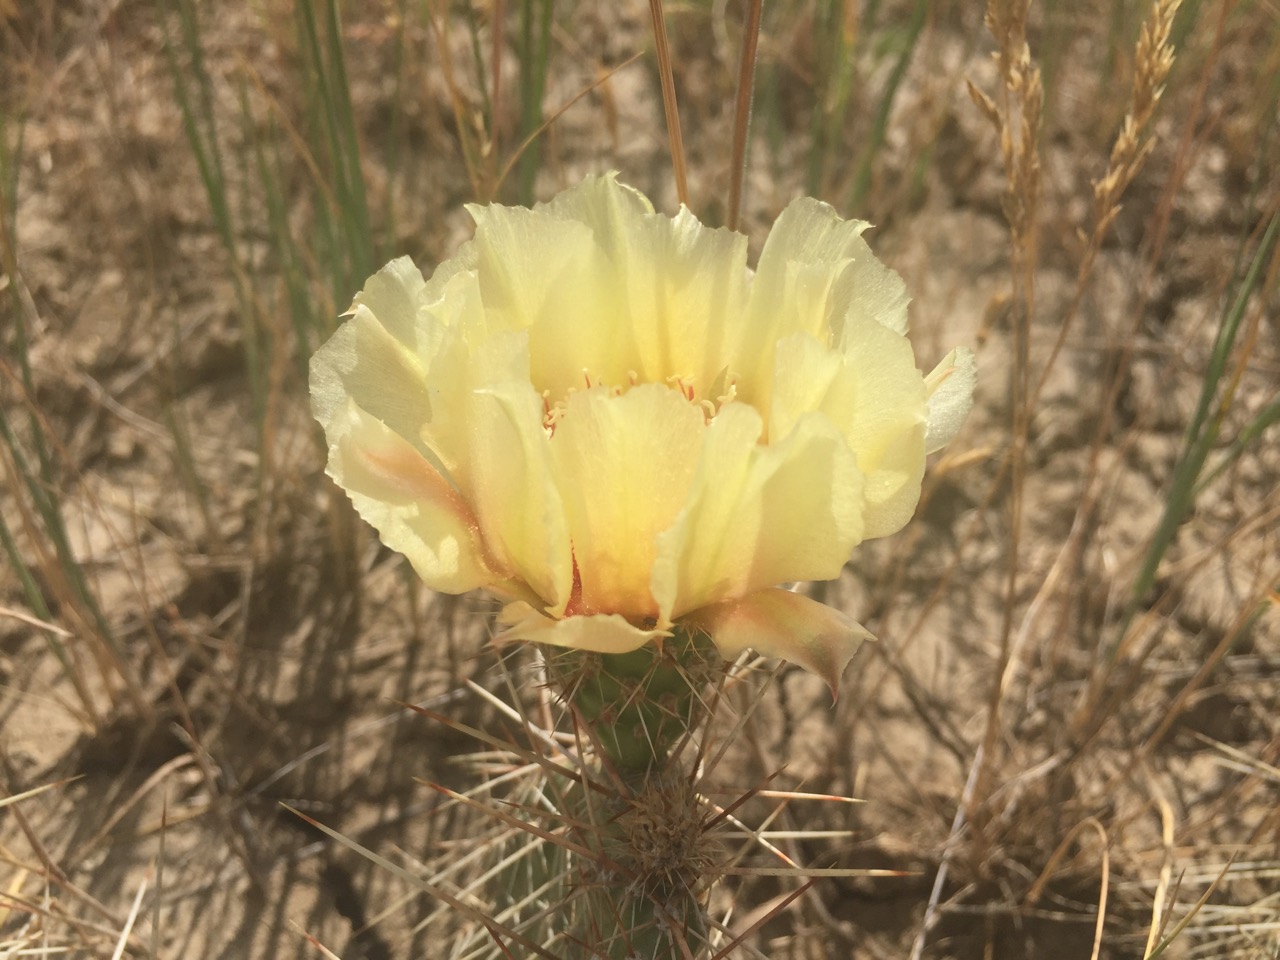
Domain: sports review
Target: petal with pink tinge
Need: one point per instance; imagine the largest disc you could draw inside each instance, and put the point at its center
(779, 623)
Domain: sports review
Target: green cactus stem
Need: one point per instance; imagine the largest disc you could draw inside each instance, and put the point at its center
(647, 882)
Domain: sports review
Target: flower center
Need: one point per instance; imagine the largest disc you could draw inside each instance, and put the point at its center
(723, 390)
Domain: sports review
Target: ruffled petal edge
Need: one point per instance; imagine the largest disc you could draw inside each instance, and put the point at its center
(595, 633)
(405, 498)
(790, 626)
(949, 390)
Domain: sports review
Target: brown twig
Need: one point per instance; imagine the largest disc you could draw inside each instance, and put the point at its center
(669, 106)
(556, 115)
(742, 111)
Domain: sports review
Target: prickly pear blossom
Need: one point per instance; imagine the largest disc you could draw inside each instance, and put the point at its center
(601, 415)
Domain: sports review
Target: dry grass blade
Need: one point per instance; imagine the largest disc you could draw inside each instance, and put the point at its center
(527, 755)
(762, 920)
(426, 886)
(555, 115)
(496, 89)
(814, 872)
(54, 915)
(57, 875)
(437, 21)
(742, 111)
(1037, 888)
(802, 795)
(122, 810)
(1016, 112)
(1182, 924)
(34, 621)
(492, 812)
(669, 104)
(35, 791)
(324, 951)
(1255, 765)
(1245, 618)
(129, 921)
(1133, 145)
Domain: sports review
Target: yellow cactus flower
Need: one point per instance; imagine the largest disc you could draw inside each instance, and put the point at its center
(601, 415)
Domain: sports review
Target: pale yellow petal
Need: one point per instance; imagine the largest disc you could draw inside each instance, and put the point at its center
(373, 359)
(779, 623)
(685, 289)
(511, 487)
(562, 271)
(451, 303)
(875, 396)
(809, 375)
(471, 356)
(410, 361)
(624, 465)
(811, 234)
(414, 509)
(395, 296)
(547, 275)
(612, 291)
(530, 263)
(816, 275)
(604, 205)
(950, 397)
(598, 633)
(760, 515)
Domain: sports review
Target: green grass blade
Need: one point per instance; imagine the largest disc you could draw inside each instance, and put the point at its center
(1255, 428)
(880, 125)
(39, 482)
(833, 89)
(535, 39)
(1202, 431)
(350, 248)
(356, 213)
